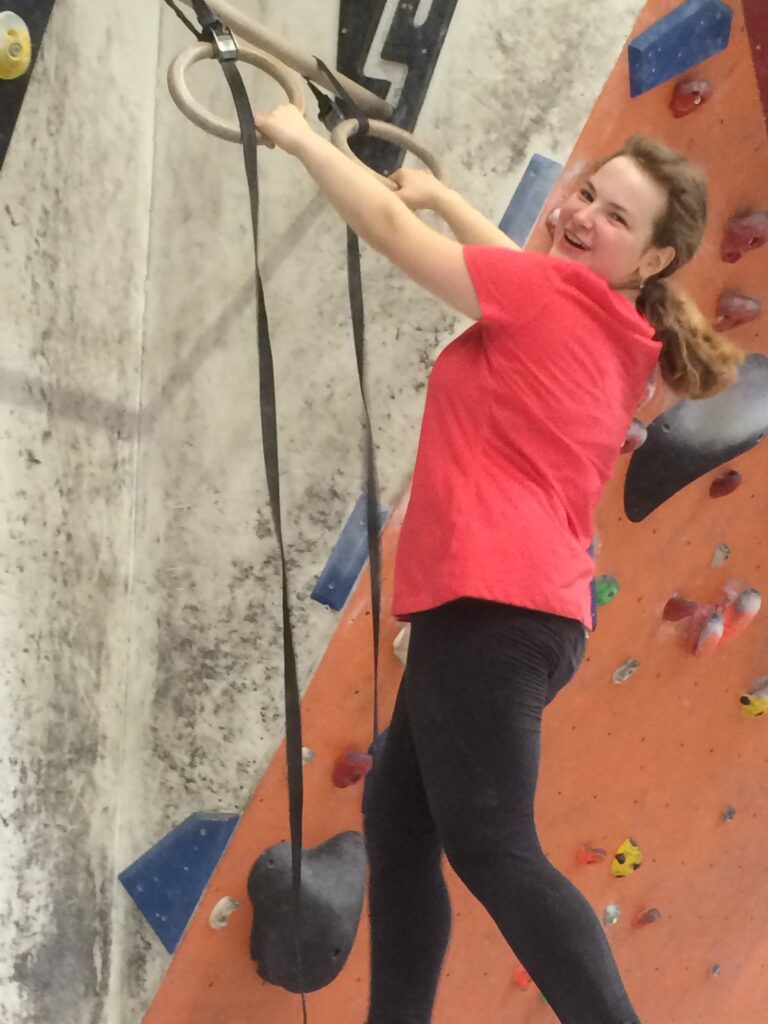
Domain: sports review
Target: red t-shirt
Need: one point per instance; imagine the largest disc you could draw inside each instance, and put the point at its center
(525, 416)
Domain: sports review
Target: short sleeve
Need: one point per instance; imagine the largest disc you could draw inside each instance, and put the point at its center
(510, 285)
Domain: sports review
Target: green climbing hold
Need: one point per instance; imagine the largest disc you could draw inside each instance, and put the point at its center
(607, 588)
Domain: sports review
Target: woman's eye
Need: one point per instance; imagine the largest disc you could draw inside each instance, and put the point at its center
(619, 219)
(585, 194)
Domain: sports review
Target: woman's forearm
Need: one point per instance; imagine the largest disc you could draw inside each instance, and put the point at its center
(468, 225)
(370, 208)
(373, 211)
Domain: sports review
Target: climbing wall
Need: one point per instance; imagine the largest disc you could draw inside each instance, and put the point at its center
(658, 746)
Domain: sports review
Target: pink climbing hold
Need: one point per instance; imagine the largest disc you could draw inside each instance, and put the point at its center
(350, 768)
(678, 608)
(743, 234)
(689, 96)
(735, 309)
(587, 854)
(739, 608)
(707, 632)
(725, 484)
(636, 437)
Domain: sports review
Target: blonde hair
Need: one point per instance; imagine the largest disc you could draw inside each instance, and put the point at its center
(696, 361)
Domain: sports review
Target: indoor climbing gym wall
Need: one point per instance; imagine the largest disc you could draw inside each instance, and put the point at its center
(142, 692)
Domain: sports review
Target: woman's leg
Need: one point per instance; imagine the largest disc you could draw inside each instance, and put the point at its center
(480, 676)
(410, 912)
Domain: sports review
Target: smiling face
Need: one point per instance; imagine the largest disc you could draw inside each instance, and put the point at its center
(608, 225)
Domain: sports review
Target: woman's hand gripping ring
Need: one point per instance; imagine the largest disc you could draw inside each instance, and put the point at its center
(200, 115)
(390, 133)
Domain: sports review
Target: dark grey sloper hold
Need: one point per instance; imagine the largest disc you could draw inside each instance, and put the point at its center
(332, 887)
(695, 437)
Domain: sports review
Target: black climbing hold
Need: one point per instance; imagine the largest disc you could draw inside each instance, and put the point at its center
(695, 437)
(332, 887)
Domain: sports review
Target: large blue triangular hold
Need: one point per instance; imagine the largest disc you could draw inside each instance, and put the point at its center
(690, 34)
(166, 882)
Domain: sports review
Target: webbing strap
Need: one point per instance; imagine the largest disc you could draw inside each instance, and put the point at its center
(268, 406)
(357, 310)
(227, 53)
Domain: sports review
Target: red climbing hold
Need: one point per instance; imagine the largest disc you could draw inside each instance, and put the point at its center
(523, 980)
(590, 855)
(707, 632)
(649, 917)
(678, 608)
(743, 234)
(738, 610)
(735, 309)
(350, 768)
(689, 96)
(636, 437)
(725, 484)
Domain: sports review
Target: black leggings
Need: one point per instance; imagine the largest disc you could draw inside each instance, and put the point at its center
(458, 774)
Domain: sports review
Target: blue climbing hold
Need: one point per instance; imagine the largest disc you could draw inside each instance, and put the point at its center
(529, 198)
(347, 559)
(690, 34)
(166, 882)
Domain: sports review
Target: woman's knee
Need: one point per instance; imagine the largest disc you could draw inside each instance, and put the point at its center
(483, 853)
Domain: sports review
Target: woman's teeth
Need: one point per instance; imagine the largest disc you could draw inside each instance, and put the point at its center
(575, 242)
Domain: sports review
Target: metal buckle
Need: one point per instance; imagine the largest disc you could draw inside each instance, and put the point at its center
(224, 41)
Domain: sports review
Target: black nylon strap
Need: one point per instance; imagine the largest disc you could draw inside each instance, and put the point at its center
(357, 310)
(212, 25)
(184, 19)
(268, 405)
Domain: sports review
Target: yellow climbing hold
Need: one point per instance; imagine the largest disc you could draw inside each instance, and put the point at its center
(15, 46)
(628, 859)
(755, 704)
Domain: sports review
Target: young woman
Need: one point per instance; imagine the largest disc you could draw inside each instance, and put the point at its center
(525, 415)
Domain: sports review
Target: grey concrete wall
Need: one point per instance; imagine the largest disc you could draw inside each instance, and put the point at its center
(139, 602)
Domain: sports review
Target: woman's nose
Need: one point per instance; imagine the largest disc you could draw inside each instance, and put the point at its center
(584, 218)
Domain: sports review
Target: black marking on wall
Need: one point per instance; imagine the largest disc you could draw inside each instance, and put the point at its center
(418, 48)
(36, 14)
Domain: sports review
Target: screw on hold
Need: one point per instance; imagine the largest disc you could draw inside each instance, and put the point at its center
(612, 915)
(735, 309)
(588, 854)
(721, 555)
(350, 768)
(523, 980)
(678, 608)
(725, 484)
(728, 814)
(708, 637)
(221, 913)
(626, 671)
(743, 234)
(739, 608)
(689, 96)
(636, 437)
(715, 970)
(648, 917)
(755, 703)
(308, 755)
(607, 588)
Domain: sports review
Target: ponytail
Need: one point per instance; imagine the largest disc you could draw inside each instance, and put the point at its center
(696, 361)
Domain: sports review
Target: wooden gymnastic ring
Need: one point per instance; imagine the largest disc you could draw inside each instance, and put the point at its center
(200, 115)
(390, 133)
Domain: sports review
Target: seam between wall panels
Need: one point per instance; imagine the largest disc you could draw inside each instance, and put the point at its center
(114, 1001)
